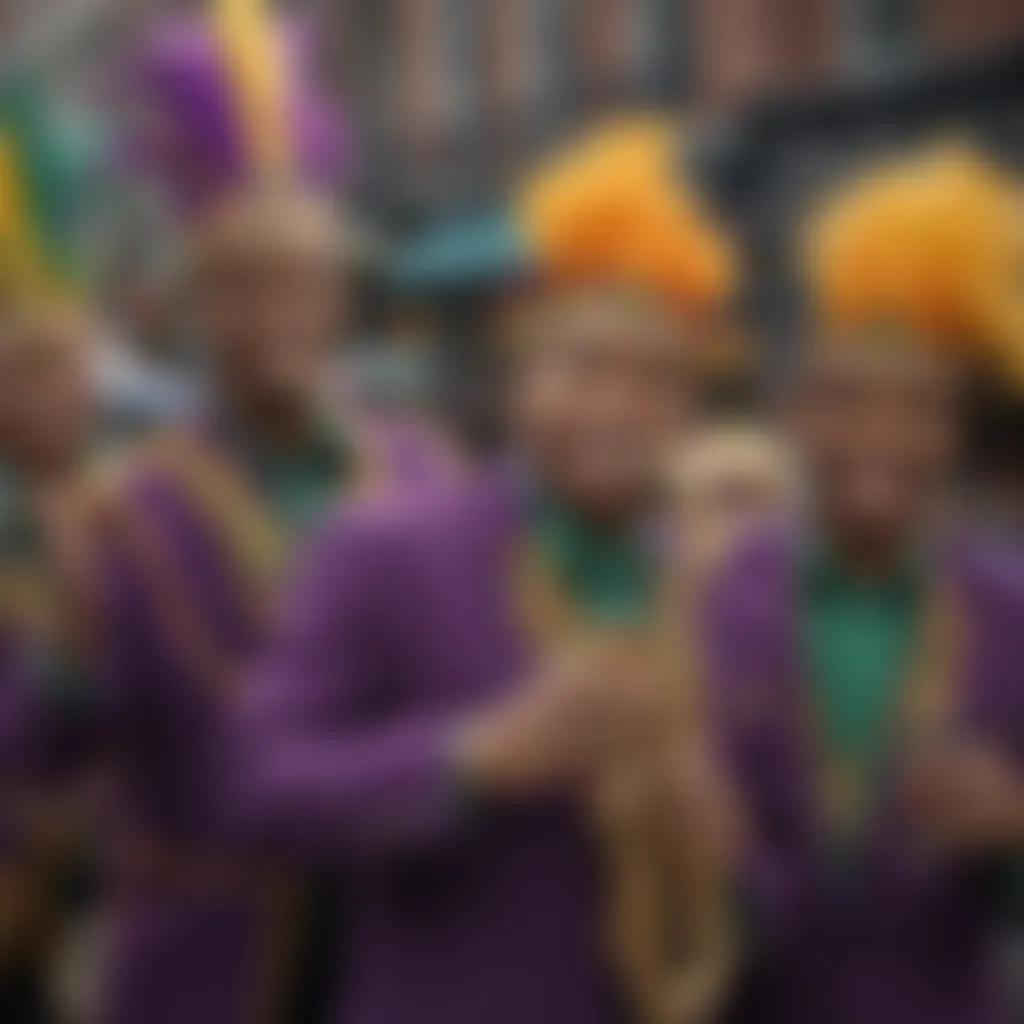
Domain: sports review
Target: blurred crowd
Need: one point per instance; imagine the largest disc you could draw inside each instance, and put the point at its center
(601, 604)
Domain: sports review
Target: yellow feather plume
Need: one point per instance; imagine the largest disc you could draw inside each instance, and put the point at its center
(609, 210)
(255, 67)
(933, 243)
(23, 272)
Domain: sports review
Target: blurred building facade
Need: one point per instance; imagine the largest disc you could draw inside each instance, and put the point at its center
(451, 96)
(456, 90)
(454, 94)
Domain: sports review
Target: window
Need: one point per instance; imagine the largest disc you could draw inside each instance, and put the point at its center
(884, 32)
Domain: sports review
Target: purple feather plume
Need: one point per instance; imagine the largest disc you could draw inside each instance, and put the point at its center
(187, 132)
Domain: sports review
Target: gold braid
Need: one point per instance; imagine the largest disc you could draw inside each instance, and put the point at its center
(669, 919)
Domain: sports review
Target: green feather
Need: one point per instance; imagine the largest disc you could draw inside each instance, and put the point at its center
(53, 174)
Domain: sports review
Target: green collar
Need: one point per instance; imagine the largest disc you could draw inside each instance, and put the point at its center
(297, 481)
(610, 574)
(825, 572)
(323, 454)
(324, 447)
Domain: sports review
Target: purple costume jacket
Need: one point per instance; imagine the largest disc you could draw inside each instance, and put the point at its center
(909, 939)
(204, 925)
(23, 750)
(464, 912)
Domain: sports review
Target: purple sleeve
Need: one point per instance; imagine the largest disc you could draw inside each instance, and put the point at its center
(414, 455)
(758, 749)
(134, 661)
(46, 740)
(22, 736)
(21, 712)
(324, 761)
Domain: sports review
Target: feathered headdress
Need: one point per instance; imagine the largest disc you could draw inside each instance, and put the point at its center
(40, 200)
(610, 209)
(229, 101)
(932, 244)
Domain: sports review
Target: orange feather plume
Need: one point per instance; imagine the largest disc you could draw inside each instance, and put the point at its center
(933, 243)
(610, 210)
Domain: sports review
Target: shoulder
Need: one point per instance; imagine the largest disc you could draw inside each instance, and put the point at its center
(755, 579)
(748, 619)
(991, 577)
(399, 537)
(407, 453)
(160, 461)
(374, 527)
(144, 499)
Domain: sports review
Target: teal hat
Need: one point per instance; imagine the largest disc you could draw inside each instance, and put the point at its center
(462, 254)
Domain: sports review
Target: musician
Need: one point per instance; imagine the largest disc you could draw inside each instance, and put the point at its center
(46, 413)
(457, 685)
(864, 661)
(199, 527)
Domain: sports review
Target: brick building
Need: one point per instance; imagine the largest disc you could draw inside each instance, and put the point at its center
(451, 95)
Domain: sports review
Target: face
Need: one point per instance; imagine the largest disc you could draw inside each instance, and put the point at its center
(46, 395)
(269, 307)
(879, 426)
(600, 400)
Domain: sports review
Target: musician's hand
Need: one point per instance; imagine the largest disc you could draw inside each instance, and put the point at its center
(581, 713)
(968, 798)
